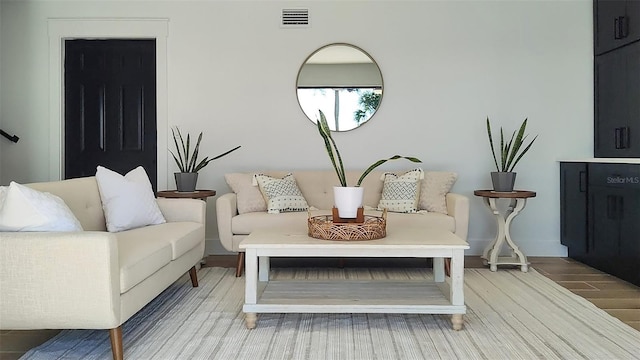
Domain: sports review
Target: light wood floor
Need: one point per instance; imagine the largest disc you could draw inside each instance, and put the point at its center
(617, 297)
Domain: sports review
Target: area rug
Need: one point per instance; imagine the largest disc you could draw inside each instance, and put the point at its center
(510, 315)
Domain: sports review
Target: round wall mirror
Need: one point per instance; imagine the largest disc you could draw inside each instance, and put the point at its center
(344, 82)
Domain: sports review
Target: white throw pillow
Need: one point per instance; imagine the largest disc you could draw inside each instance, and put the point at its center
(282, 195)
(435, 186)
(400, 193)
(128, 201)
(248, 197)
(25, 209)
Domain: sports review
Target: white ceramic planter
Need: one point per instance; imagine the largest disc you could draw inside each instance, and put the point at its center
(348, 199)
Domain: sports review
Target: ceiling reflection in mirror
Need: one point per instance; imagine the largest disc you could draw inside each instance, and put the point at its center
(344, 82)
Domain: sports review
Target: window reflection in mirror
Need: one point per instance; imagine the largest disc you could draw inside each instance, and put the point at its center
(344, 82)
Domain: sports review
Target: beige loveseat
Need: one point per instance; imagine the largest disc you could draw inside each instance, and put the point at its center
(445, 210)
(95, 279)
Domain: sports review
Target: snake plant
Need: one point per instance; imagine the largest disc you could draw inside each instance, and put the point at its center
(510, 152)
(186, 160)
(336, 159)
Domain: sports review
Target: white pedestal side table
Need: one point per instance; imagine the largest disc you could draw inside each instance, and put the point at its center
(491, 254)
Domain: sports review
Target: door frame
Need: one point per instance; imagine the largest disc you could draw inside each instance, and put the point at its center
(97, 28)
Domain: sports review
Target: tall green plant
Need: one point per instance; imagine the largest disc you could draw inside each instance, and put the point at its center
(186, 160)
(336, 159)
(510, 152)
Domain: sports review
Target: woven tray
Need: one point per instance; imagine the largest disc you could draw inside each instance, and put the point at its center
(323, 227)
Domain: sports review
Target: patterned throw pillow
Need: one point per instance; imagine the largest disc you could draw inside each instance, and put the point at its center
(400, 193)
(435, 186)
(282, 195)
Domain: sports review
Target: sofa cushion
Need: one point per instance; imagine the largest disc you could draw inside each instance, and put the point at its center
(282, 195)
(183, 236)
(435, 186)
(128, 201)
(142, 252)
(422, 219)
(400, 193)
(26, 209)
(246, 223)
(248, 197)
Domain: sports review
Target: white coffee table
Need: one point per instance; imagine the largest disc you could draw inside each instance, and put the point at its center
(443, 296)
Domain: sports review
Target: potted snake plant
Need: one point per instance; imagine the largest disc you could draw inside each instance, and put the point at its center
(348, 198)
(187, 160)
(510, 154)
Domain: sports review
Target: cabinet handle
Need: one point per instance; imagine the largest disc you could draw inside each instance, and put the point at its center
(620, 208)
(620, 27)
(611, 207)
(621, 137)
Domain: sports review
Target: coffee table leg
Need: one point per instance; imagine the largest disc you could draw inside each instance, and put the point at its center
(264, 266)
(438, 269)
(457, 286)
(457, 320)
(251, 285)
(250, 320)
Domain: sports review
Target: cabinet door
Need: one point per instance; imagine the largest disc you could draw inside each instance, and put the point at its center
(604, 232)
(573, 208)
(630, 236)
(615, 24)
(616, 92)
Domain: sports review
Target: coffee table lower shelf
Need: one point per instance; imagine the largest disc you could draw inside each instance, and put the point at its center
(351, 296)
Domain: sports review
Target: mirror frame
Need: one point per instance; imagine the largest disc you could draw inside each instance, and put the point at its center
(313, 121)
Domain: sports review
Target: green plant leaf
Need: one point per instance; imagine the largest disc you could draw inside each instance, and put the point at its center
(184, 158)
(512, 151)
(380, 162)
(493, 150)
(332, 148)
(178, 160)
(225, 153)
(336, 159)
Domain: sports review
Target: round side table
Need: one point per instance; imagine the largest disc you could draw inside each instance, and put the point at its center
(198, 194)
(491, 254)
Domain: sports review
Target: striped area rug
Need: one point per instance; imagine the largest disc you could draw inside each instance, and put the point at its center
(510, 315)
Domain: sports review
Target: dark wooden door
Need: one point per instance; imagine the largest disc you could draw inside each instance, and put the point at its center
(110, 106)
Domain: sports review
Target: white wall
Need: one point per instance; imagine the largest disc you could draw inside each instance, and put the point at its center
(446, 65)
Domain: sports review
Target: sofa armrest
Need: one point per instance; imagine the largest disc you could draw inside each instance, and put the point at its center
(176, 210)
(458, 207)
(59, 280)
(226, 209)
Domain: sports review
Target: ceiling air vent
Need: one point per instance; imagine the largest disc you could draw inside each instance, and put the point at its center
(295, 18)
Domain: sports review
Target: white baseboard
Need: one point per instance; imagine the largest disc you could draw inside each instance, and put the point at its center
(537, 248)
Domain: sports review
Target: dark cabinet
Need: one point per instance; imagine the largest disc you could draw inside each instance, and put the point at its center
(573, 220)
(600, 216)
(616, 95)
(616, 23)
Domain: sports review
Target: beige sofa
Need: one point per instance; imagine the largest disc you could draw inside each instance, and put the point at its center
(95, 279)
(452, 213)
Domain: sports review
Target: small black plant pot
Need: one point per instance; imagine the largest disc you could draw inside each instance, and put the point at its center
(186, 182)
(503, 181)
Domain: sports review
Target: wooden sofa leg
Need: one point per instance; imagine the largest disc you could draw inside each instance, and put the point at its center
(194, 276)
(116, 343)
(240, 264)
